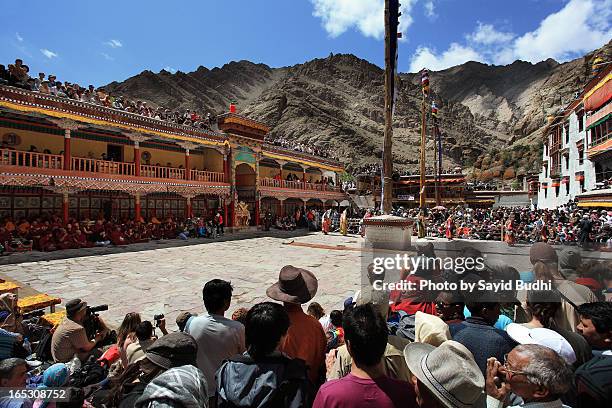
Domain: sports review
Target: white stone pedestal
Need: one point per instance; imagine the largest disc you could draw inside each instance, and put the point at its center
(388, 232)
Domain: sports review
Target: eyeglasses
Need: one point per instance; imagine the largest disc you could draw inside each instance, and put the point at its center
(510, 370)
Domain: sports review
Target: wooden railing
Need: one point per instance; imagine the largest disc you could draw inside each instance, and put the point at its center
(296, 185)
(31, 159)
(161, 172)
(102, 166)
(199, 175)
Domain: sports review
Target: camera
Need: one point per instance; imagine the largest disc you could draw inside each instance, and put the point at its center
(158, 318)
(91, 322)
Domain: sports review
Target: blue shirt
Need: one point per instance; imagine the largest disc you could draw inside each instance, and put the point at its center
(7, 342)
(501, 323)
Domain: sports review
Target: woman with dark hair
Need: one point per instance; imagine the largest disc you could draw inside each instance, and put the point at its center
(273, 378)
(543, 306)
(126, 335)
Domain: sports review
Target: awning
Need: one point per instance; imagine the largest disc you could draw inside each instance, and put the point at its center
(599, 94)
(606, 204)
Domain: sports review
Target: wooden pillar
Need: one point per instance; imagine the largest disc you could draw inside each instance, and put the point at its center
(137, 158)
(137, 207)
(231, 220)
(187, 168)
(281, 207)
(188, 213)
(225, 218)
(257, 205)
(67, 155)
(226, 172)
(65, 204)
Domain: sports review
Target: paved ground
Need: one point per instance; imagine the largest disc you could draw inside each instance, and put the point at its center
(167, 277)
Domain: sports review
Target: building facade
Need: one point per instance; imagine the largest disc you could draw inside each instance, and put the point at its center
(575, 150)
(80, 160)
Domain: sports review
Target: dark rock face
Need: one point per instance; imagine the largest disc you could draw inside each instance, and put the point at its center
(338, 102)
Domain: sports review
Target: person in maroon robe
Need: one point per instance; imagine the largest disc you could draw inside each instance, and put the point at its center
(117, 237)
(46, 242)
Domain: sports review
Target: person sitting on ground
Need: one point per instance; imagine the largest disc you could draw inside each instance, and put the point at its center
(126, 334)
(305, 338)
(444, 376)
(55, 376)
(174, 350)
(335, 333)
(366, 385)
(70, 338)
(10, 318)
(449, 306)
(263, 376)
(135, 351)
(535, 373)
(14, 374)
(478, 333)
(218, 337)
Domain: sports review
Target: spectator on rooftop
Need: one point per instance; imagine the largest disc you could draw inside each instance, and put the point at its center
(305, 339)
(218, 337)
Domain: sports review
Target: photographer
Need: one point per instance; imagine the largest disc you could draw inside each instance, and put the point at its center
(70, 337)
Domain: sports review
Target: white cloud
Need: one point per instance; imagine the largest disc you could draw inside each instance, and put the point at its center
(367, 16)
(457, 54)
(487, 34)
(579, 27)
(106, 56)
(430, 10)
(114, 43)
(170, 69)
(48, 53)
(19, 38)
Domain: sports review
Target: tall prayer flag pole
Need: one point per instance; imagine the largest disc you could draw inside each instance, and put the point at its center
(391, 22)
(425, 88)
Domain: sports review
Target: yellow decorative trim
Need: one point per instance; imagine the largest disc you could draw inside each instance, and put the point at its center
(105, 123)
(594, 204)
(307, 162)
(599, 85)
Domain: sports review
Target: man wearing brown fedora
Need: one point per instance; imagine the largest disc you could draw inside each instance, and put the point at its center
(305, 338)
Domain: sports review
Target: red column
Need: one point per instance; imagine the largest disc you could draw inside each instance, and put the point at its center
(136, 158)
(231, 220)
(67, 155)
(282, 208)
(187, 168)
(257, 212)
(137, 208)
(225, 219)
(188, 213)
(226, 168)
(65, 203)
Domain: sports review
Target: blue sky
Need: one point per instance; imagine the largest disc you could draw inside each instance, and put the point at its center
(101, 41)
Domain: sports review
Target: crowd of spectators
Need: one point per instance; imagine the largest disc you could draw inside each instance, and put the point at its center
(50, 233)
(565, 225)
(389, 349)
(18, 75)
(300, 147)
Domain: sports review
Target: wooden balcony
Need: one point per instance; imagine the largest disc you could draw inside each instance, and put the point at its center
(43, 161)
(9, 157)
(297, 185)
(102, 166)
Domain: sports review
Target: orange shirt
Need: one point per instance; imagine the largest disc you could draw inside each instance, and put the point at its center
(306, 340)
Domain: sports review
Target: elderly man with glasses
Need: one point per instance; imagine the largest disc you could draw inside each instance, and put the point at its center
(536, 374)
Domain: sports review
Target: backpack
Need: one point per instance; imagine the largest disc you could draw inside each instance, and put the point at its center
(43, 349)
(295, 378)
(90, 373)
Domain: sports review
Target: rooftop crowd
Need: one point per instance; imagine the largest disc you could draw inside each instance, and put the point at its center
(18, 75)
(300, 147)
(531, 349)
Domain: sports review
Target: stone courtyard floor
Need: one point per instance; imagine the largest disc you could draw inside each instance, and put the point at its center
(167, 276)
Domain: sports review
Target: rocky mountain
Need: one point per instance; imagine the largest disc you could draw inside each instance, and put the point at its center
(491, 116)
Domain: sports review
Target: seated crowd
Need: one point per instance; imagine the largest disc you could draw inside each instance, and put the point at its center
(50, 233)
(385, 349)
(18, 75)
(299, 147)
